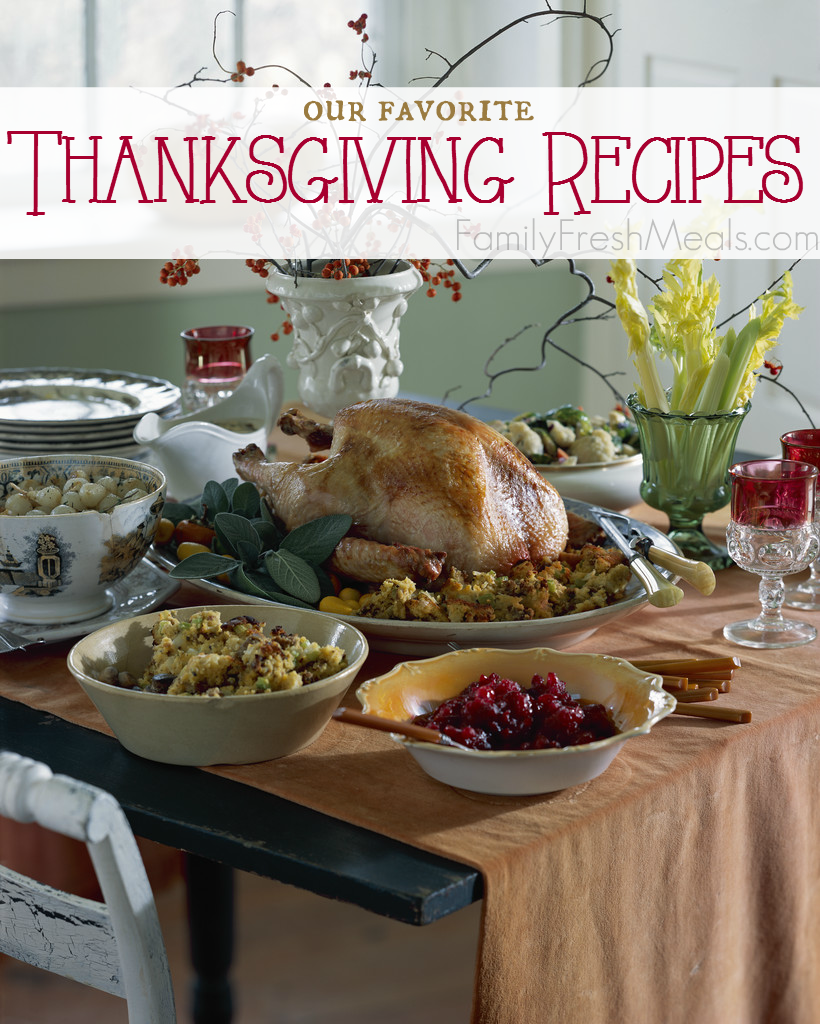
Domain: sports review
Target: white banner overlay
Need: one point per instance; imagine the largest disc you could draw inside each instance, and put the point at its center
(444, 173)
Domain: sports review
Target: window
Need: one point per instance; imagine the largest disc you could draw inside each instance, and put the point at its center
(111, 43)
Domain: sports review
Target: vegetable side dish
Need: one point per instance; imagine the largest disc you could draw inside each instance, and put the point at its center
(567, 436)
(54, 495)
(499, 714)
(205, 657)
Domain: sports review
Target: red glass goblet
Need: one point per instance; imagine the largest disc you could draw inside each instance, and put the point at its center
(216, 360)
(772, 533)
(804, 446)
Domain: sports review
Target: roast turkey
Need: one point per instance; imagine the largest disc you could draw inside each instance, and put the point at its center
(427, 487)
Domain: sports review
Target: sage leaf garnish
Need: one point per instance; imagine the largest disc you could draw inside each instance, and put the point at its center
(214, 500)
(265, 586)
(326, 587)
(245, 500)
(259, 557)
(202, 566)
(231, 529)
(229, 486)
(294, 575)
(176, 511)
(269, 533)
(315, 541)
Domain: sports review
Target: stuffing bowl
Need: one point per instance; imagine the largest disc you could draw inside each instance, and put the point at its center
(615, 485)
(636, 700)
(58, 567)
(204, 730)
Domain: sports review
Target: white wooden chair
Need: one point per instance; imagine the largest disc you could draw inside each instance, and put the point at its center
(115, 946)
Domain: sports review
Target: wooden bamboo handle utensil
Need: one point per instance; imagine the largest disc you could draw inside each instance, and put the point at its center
(688, 666)
(720, 714)
(698, 574)
(413, 732)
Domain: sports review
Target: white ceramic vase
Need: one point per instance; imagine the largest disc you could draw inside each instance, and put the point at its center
(346, 334)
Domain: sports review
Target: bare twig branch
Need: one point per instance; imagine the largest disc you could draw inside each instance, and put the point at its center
(745, 309)
(563, 320)
(555, 15)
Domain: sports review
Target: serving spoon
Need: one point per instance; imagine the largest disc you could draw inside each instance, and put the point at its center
(408, 729)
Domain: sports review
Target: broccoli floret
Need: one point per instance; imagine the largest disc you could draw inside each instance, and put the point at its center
(572, 416)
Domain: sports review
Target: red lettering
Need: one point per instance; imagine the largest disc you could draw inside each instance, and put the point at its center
(694, 140)
(616, 156)
(501, 182)
(211, 176)
(267, 175)
(783, 174)
(36, 166)
(570, 180)
(645, 199)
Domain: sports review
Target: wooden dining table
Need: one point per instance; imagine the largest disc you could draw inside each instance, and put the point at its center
(682, 884)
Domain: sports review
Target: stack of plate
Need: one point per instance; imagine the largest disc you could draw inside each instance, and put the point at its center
(46, 410)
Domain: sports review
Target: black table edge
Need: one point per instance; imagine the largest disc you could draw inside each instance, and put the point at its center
(256, 832)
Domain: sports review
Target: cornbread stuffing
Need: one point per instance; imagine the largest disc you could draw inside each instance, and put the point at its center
(578, 581)
(204, 656)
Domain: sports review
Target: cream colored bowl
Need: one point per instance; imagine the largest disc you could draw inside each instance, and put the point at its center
(615, 485)
(635, 699)
(214, 730)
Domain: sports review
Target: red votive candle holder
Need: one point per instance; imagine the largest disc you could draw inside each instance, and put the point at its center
(802, 446)
(773, 494)
(216, 360)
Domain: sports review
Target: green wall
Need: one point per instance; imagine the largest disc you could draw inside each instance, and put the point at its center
(444, 345)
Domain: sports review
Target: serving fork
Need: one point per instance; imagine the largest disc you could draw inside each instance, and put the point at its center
(11, 641)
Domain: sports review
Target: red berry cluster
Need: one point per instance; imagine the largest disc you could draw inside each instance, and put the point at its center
(176, 272)
(359, 27)
(259, 267)
(355, 268)
(242, 70)
(434, 274)
(253, 226)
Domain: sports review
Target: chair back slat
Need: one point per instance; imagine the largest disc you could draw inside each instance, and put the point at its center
(116, 945)
(46, 928)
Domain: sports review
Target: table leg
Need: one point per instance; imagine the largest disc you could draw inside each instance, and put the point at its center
(210, 888)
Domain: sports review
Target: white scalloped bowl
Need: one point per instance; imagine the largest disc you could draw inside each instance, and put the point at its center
(203, 730)
(636, 700)
(615, 485)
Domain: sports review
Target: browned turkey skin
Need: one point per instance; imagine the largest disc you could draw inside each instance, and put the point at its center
(427, 487)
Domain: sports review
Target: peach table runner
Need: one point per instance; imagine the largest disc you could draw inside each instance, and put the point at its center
(682, 885)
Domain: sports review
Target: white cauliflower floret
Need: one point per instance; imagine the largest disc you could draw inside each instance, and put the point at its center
(595, 447)
(525, 438)
(561, 434)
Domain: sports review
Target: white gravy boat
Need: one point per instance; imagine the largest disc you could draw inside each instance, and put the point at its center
(199, 446)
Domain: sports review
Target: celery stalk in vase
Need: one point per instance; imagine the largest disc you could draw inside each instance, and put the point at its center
(710, 373)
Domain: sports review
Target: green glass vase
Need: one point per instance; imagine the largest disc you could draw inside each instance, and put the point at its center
(686, 459)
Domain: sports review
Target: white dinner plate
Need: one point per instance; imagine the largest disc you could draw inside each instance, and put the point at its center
(38, 399)
(427, 638)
